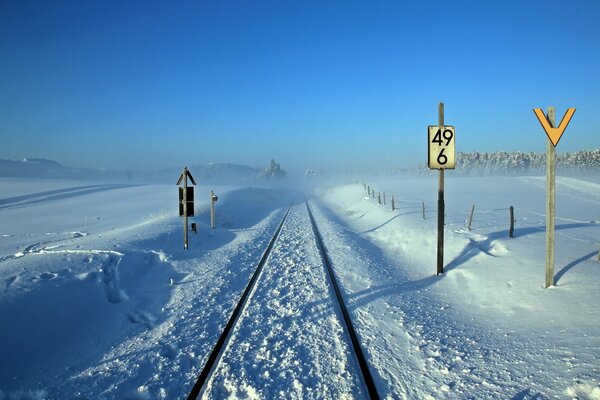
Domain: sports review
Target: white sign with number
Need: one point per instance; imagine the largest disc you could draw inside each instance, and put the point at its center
(441, 153)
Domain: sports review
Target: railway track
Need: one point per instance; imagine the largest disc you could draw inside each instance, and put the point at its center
(354, 347)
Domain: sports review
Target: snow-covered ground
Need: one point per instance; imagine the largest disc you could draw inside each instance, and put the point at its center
(99, 300)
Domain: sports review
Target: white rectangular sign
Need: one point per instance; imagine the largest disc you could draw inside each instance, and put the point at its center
(441, 154)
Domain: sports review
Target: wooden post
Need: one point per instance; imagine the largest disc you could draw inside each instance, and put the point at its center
(369, 190)
(551, 203)
(511, 231)
(212, 209)
(379, 197)
(423, 209)
(471, 218)
(441, 205)
(373, 193)
(394, 206)
(384, 199)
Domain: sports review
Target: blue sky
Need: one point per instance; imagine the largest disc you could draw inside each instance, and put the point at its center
(313, 84)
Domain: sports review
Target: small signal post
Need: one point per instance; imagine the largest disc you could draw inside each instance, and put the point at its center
(213, 200)
(441, 156)
(186, 201)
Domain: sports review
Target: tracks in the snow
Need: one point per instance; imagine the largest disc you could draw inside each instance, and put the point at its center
(219, 348)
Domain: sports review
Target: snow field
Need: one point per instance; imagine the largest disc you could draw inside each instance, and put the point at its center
(120, 310)
(486, 328)
(99, 300)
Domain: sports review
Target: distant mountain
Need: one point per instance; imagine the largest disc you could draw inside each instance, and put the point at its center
(216, 173)
(47, 169)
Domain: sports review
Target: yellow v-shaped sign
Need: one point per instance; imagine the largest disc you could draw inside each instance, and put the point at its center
(553, 133)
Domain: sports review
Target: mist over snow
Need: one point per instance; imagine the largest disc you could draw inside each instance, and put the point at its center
(211, 173)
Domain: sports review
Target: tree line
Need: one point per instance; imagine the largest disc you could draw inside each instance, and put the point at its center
(520, 163)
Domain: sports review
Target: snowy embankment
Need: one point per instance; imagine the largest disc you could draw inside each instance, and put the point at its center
(99, 300)
(486, 328)
(98, 297)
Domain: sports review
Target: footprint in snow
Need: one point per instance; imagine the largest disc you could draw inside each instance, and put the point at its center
(142, 317)
(10, 281)
(48, 276)
(169, 350)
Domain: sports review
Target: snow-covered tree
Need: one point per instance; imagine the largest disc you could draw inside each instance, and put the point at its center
(273, 171)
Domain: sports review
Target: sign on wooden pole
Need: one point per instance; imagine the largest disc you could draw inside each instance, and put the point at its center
(441, 156)
(551, 201)
(554, 134)
(186, 202)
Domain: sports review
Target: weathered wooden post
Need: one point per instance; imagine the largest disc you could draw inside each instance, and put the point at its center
(393, 204)
(511, 231)
(384, 199)
(551, 203)
(423, 209)
(373, 193)
(441, 205)
(471, 218)
(379, 197)
(368, 190)
(554, 133)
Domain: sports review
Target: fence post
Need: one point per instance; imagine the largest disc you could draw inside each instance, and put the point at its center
(394, 206)
(213, 216)
(471, 218)
(373, 193)
(511, 231)
(423, 210)
(379, 197)
(384, 199)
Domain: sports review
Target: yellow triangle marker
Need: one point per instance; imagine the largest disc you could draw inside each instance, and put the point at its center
(554, 134)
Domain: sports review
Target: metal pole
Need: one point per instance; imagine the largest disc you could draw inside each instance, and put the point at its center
(185, 212)
(441, 205)
(551, 203)
(212, 209)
